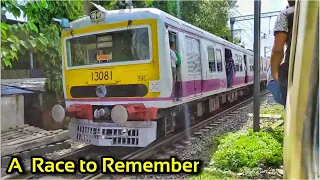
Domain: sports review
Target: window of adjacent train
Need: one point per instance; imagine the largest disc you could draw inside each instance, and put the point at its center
(219, 60)
(237, 62)
(240, 63)
(211, 59)
(108, 47)
(251, 64)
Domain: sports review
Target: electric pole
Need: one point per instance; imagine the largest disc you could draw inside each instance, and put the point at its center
(256, 48)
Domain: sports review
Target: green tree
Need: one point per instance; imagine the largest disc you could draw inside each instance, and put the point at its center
(21, 37)
(51, 59)
(211, 16)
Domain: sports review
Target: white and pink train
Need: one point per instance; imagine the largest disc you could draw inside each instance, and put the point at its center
(136, 109)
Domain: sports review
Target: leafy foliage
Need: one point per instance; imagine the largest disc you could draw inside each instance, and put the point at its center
(50, 60)
(250, 149)
(206, 174)
(21, 37)
(277, 133)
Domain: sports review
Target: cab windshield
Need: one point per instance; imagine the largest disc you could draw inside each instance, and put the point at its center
(109, 47)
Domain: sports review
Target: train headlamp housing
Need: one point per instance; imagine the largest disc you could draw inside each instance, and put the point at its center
(97, 16)
(101, 91)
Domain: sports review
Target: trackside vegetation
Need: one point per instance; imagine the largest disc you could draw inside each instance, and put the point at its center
(245, 154)
(249, 149)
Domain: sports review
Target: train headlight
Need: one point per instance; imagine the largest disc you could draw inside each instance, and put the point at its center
(101, 91)
(119, 115)
(58, 113)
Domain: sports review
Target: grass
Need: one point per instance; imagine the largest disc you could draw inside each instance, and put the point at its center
(244, 155)
(249, 149)
(212, 174)
(273, 109)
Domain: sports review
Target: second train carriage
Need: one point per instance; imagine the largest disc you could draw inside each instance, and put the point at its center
(117, 75)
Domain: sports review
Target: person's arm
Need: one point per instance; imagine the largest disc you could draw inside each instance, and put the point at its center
(277, 53)
(280, 36)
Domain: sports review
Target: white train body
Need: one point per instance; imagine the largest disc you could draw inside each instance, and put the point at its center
(200, 76)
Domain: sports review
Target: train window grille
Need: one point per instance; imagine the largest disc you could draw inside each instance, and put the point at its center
(211, 60)
(219, 60)
(88, 134)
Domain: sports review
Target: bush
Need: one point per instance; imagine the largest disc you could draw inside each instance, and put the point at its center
(277, 133)
(251, 149)
(205, 174)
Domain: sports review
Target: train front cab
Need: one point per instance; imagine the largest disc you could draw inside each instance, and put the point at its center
(105, 88)
(301, 138)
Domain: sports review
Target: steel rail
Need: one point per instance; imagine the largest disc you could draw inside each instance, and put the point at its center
(28, 174)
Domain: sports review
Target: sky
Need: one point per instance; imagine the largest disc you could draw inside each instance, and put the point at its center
(246, 7)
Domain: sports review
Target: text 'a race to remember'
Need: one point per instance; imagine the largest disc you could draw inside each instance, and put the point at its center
(108, 165)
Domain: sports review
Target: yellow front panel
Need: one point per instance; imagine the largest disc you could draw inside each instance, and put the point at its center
(116, 75)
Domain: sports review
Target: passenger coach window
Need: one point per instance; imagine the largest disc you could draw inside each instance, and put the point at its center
(211, 59)
(117, 46)
(219, 60)
(237, 62)
(251, 64)
(240, 63)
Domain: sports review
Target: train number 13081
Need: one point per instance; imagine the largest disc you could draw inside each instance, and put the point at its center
(101, 75)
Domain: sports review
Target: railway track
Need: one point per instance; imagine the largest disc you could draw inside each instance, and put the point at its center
(158, 147)
(184, 136)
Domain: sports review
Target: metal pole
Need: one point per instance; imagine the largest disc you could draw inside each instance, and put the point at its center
(231, 33)
(257, 36)
(232, 21)
(178, 9)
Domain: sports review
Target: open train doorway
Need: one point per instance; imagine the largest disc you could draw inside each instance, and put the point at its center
(229, 73)
(245, 69)
(174, 51)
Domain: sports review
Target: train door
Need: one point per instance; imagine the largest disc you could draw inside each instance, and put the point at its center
(245, 68)
(192, 48)
(173, 37)
(227, 55)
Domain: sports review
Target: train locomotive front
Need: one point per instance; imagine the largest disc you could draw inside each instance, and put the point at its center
(111, 78)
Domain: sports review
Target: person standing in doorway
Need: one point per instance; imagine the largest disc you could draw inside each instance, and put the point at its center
(230, 68)
(282, 37)
(174, 61)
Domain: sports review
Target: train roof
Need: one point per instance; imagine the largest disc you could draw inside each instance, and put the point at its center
(114, 16)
